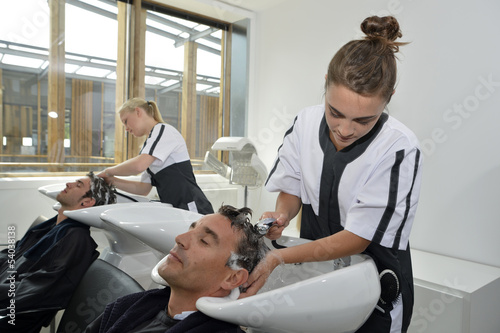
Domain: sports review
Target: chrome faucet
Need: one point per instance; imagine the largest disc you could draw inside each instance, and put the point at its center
(264, 225)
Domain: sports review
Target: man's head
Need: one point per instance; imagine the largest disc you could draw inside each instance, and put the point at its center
(86, 192)
(215, 255)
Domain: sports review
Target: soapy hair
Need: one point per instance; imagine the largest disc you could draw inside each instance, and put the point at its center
(100, 191)
(251, 247)
(368, 66)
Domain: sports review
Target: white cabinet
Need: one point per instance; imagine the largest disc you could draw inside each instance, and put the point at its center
(454, 295)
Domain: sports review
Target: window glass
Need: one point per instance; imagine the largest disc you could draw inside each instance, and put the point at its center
(90, 42)
(166, 37)
(90, 63)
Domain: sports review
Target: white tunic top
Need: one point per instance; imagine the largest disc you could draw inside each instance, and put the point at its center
(167, 145)
(376, 180)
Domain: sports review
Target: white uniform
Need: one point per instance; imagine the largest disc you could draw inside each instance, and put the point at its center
(172, 172)
(369, 188)
(167, 145)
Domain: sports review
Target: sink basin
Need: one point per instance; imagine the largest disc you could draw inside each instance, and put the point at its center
(334, 296)
(156, 225)
(119, 240)
(125, 251)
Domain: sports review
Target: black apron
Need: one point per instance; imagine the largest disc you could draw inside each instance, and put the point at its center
(176, 185)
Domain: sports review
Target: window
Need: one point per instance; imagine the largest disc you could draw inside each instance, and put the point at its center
(61, 118)
(170, 40)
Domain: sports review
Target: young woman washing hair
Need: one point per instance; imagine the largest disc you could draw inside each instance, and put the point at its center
(356, 172)
(163, 160)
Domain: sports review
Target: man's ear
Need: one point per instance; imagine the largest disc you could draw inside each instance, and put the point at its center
(87, 202)
(235, 279)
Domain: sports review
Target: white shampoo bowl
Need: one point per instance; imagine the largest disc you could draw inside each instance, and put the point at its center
(155, 225)
(119, 240)
(125, 251)
(328, 296)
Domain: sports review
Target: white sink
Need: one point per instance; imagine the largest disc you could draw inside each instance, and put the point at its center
(156, 225)
(119, 240)
(125, 251)
(330, 296)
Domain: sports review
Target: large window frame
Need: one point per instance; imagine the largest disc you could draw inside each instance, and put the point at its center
(130, 82)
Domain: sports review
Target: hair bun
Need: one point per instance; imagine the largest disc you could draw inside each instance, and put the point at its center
(386, 27)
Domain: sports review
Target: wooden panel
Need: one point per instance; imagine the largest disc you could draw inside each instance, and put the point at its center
(121, 84)
(130, 60)
(81, 119)
(138, 69)
(56, 76)
(225, 89)
(39, 119)
(188, 119)
(209, 119)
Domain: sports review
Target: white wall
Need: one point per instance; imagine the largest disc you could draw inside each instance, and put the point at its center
(443, 95)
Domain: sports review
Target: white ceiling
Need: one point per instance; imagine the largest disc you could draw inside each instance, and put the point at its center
(253, 5)
(224, 10)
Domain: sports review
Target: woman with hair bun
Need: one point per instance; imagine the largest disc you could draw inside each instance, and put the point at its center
(356, 173)
(163, 160)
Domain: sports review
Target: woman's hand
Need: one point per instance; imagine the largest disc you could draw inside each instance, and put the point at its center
(107, 176)
(259, 275)
(277, 228)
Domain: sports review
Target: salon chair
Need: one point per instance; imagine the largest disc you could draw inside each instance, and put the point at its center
(102, 284)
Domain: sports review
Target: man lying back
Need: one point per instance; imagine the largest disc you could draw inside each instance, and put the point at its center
(40, 273)
(214, 257)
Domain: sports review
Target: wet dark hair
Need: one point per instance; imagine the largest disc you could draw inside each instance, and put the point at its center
(251, 247)
(100, 191)
(368, 66)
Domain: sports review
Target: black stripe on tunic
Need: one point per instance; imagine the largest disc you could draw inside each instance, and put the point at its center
(290, 130)
(408, 203)
(153, 146)
(392, 198)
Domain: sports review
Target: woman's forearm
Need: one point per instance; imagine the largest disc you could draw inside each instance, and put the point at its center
(288, 204)
(131, 186)
(341, 244)
(132, 166)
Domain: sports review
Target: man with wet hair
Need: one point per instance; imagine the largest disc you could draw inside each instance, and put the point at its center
(38, 275)
(213, 258)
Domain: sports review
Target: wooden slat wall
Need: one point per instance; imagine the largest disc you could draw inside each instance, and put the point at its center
(225, 91)
(81, 118)
(128, 147)
(209, 119)
(188, 119)
(57, 84)
(39, 119)
(18, 123)
(138, 70)
(121, 85)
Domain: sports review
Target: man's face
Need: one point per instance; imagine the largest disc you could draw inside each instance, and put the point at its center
(71, 196)
(197, 263)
